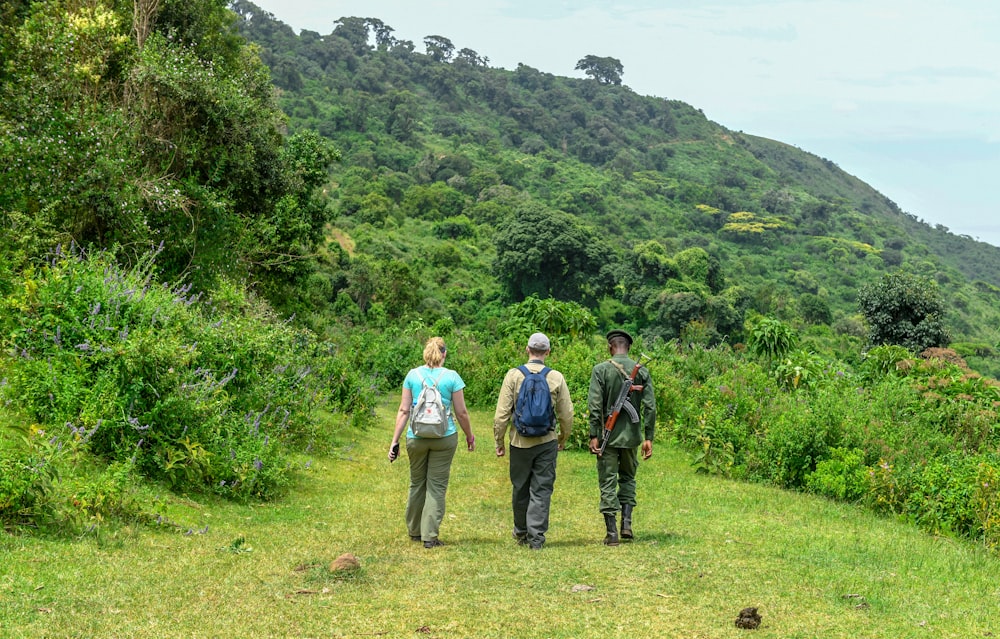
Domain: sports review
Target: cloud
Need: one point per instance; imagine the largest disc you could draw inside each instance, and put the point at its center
(785, 33)
(844, 106)
(922, 75)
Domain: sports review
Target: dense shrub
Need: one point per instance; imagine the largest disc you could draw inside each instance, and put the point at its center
(906, 436)
(842, 476)
(202, 394)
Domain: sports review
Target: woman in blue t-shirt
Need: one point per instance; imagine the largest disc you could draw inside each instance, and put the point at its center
(430, 458)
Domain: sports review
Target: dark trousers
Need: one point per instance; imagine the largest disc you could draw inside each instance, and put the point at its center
(532, 477)
(616, 470)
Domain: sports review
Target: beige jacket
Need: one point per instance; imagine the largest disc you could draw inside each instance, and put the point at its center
(505, 409)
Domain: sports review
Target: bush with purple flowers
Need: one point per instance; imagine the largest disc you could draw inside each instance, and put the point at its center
(206, 394)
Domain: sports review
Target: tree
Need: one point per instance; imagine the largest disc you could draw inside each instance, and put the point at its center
(905, 310)
(814, 309)
(549, 254)
(136, 124)
(383, 33)
(676, 310)
(355, 31)
(605, 70)
(693, 263)
(652, 262)
(435, 201)
(439, 48)
(404, 115)
(470, 57)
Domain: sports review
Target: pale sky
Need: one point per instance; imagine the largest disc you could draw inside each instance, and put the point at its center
(903, 94)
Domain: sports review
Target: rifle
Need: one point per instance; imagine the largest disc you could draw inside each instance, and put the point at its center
(628, 386)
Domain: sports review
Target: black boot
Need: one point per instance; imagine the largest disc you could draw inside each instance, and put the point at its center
(611, 523)
(627, 522)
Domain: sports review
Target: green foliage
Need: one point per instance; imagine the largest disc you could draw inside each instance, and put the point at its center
(712, 454)
(454, 228)
(552, 317)
(771, 338)
(954, 495)
(550, 254)
(842, 476)
(918, 442)
(606, 70)
(207, 396)
(49, 482)
(814, 309)
(801, 369)
(476, 203)
(135, 132)
(428, 136)
(693, 263)
(237, 546)
(883, 360)
(30, 472)
(433, 202)
(790, 450)
(904, 309)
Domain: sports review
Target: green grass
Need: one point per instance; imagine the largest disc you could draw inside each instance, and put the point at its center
(705, 549)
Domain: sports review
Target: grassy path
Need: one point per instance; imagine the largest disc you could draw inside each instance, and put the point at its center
(705, 549)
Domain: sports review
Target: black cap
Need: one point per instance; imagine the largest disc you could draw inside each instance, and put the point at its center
(620, 333)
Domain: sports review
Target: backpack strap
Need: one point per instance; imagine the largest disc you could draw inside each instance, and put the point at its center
(524, 370)
(430, 384)
(433, 384)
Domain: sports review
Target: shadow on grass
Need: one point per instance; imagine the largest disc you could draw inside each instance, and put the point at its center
(658, 537)
(653, 538)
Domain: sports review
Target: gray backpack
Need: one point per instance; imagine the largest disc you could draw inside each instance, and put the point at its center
(429, 417)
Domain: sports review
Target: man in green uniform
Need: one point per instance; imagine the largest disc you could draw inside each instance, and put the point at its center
(616, 467)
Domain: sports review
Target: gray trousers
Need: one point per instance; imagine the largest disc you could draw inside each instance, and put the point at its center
(532, 477)
(430, 469)
(616, 470)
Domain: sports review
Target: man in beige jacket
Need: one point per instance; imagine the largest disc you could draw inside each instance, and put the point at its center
(532, 458)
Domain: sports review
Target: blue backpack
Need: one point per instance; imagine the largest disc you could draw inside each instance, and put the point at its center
(534, 414)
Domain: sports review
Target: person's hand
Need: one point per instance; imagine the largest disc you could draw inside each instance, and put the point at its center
(647, 449)
(393, 451)
(470, 441)
(595, 445)
(501, 451)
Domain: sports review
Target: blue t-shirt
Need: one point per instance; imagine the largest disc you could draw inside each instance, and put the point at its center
(446, 380)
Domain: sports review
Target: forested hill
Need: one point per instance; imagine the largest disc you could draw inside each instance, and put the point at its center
(203, 277)
(496, 184)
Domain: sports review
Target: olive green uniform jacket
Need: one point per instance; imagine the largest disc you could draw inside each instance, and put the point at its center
(606, 380)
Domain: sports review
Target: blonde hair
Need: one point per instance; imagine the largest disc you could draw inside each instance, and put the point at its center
(434, 352)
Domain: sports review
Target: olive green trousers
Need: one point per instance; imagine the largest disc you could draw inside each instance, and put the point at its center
(430, 469)
(616, 470)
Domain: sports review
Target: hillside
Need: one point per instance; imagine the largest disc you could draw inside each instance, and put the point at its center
(205, 280)
(671, 218)
(976, 260)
